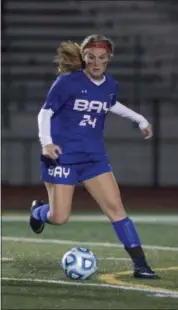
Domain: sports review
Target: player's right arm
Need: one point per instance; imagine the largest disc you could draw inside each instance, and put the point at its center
(55, 99)
(49, 149)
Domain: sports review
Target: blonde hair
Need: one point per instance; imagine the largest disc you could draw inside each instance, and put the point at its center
(68, 57)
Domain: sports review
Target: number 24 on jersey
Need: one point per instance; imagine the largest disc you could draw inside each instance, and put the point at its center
(87, 120)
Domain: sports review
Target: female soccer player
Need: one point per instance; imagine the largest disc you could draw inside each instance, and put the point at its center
(71, 124)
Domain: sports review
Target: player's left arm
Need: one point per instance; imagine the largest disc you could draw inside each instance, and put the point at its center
(123, 111)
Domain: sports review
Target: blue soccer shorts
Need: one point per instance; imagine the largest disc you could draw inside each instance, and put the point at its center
(71, 174)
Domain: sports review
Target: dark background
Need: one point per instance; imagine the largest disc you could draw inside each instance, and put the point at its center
(146, 66)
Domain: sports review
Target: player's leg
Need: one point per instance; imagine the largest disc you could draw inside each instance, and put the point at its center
(60, 182)
(105, 191)
(60, 200)
(57, 211)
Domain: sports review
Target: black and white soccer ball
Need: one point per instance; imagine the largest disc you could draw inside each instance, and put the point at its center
(79, 263)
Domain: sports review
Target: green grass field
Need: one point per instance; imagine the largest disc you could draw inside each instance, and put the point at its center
(32, 277)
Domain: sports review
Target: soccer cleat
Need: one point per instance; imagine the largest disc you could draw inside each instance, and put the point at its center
(145, 273)
(36, 225)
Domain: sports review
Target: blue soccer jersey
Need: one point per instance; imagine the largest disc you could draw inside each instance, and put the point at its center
(79, 109)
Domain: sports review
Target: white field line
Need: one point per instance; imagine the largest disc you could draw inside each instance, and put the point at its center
(166, 293)
(161, 295)
(6, 259)
(77, 243)
(147, 219)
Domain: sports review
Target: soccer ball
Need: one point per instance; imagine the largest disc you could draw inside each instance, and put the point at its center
(79, 263)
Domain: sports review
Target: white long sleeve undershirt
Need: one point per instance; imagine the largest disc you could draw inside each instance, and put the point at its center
(44, 121)
(44, 126)
(123, 111)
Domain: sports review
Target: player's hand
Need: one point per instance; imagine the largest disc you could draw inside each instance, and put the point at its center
(147, 132)
(52, 151)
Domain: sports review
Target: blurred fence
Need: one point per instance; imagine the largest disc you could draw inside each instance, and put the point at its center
(145, 64)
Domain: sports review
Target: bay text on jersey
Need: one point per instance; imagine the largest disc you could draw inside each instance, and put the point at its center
(94, 105)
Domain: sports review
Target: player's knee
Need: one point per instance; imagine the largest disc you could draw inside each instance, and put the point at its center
(115, 209)
(59, 219)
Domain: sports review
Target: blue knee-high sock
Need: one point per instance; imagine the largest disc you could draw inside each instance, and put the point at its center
(41, 213)
(127, 234)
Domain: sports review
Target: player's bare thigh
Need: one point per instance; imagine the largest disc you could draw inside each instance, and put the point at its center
(104, 189)
(60, 201)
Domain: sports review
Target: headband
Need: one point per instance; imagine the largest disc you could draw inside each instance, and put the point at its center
(99, 45)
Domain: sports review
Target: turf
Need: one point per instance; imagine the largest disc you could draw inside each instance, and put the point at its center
(42, 261)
